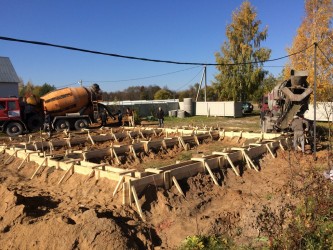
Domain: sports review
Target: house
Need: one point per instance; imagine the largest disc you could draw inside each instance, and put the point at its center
(8, 78)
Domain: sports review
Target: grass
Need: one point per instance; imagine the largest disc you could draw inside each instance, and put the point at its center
(249, 122)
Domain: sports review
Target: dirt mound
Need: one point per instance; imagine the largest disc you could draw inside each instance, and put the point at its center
(29, 223)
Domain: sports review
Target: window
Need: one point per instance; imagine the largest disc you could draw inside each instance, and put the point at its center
(12, 105)
(2, 105)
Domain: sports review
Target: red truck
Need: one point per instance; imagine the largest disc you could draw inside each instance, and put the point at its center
(69, 108)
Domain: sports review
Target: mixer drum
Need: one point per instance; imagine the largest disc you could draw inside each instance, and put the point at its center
(66, 100)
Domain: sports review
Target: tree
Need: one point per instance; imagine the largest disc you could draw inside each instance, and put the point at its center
(239, 81)
(163, 94)
(315, 28)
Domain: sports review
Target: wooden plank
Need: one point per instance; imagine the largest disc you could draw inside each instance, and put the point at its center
(136, 199)
(68, 173)
(211, 174)
(121, 180)
(39, 168)
(177, 186)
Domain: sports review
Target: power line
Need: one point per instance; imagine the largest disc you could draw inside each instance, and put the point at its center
(142, 78)
(188, 81)
(325, 55)
(141, 58)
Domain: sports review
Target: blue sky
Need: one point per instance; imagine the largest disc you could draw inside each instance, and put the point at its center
(183, 30)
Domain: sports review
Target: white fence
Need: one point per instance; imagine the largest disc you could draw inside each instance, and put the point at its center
(324, 112)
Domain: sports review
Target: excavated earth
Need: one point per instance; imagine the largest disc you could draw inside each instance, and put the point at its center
(82, 214)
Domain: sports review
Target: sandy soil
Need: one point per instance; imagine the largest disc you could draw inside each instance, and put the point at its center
(82, 214)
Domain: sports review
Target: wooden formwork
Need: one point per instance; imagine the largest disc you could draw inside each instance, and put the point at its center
(133, 182)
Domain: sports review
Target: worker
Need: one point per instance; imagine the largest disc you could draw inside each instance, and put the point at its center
(120, 117)
(103, 118)
(130, 117)
(160, 117)
(297, 125)
(47, 122)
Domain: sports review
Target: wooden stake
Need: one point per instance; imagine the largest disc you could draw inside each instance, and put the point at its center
(40, 167)
(69, 172)
(226, 156)
(136, 199)
(177, 186)
(269, 149)
(121, 180)
(211, 173)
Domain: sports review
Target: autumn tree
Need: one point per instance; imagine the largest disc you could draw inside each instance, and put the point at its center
(244, 37)
(316, 27)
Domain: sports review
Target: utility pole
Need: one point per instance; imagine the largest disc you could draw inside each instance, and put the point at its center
(315, 102)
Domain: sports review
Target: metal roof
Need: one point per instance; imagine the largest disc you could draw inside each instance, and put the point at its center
(7, 71)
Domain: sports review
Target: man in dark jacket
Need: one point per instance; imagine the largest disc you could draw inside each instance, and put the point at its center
(160, 117)
(104, 117)
(297, 125)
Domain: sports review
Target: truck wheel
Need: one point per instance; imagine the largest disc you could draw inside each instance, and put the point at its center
(14, 129)
(80, 124)
(35, 122)
(61, 125)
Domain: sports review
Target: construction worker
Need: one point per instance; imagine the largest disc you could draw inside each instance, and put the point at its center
(160, 117)
(104, 117)
(297, 125)
(47, 122)
(130, 117)
(120, 117)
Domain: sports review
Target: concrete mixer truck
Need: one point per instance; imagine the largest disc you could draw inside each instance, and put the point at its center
(69, 108)
(286, 100)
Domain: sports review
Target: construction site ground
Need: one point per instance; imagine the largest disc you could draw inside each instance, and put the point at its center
(82, 213)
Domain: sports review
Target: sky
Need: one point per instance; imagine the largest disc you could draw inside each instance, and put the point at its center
(183, 30)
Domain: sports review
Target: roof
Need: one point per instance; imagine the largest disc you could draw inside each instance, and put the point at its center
(7, 71)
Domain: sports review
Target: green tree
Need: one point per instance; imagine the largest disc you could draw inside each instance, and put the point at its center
(163, 94)
(239, 81)
(316, 27)
(46, 88)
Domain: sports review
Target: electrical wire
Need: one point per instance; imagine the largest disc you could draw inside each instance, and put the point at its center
(325, 55)
(141, 58)
(142, 78)
(188, 81)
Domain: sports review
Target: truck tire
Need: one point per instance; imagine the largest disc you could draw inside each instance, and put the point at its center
(35, 122)
(80, 124)
(14, 129)
(61, 125)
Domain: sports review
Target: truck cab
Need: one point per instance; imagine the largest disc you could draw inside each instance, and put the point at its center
(10, 116)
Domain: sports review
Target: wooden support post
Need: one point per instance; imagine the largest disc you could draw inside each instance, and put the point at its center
(10, 157)
(211, 174)
(115, 156)
(141, 134)
(196, 139)
(24, 160)
(226, 156)
(92, 173)
(68, 173)
(167, 179)
(121, 180)
(281, 146)
(132, 150)
(249, 161)
(222, 135)
(240, 136)
(136, 199)
(125, 193)
(177, 186)
(130, 201)
(43, 164)
(269, 150)
(91, 139)
(182, 143)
